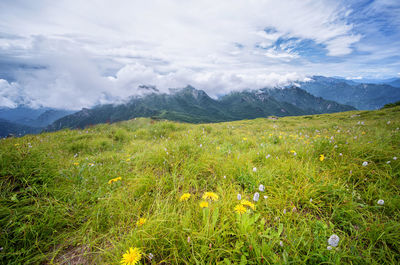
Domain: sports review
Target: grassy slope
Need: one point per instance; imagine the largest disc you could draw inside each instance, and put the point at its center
(55, 210)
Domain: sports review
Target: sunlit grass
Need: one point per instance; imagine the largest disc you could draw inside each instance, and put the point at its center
(171, 191)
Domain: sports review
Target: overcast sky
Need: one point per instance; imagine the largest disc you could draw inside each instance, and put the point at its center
(73, 54)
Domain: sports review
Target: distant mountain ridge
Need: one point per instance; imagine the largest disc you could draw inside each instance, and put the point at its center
(192, 105)
(359, 95)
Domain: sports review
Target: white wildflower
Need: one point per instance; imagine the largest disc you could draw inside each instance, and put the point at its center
(281, 243)
(310, 200)
(261, 188)
(340, 154)
(151, 256)
(333, 240)
(365, 163)
(256, 196)
(381, 202)
(268, 156)
(254, 169)
(388, 162)
(239, 196)
(284, 211)
(395, 158)
(329, 248)
(265, 197)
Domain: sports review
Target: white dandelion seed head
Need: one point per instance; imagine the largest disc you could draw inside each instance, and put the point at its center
(381, 202)
(239, 196)
(365, 163)
(333, 240)
(261, 188)
(256, 197)
(329, 248)
(254, 169)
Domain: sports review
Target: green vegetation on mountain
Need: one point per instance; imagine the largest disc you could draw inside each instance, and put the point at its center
(195, 106)
(170, 191)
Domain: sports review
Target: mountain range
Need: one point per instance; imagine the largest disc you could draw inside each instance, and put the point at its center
(192, 105)
(318, 94)
(362, 96)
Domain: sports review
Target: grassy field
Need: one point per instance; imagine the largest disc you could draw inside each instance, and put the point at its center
(88, 196)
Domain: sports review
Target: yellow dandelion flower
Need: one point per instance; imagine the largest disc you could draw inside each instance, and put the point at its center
(240, 209)
(210, 196)
(203, 204)
(76, 164)
(131, 257)
(184, 197)
(127, 160)
(16, 144)
(248, 204)
(114, 180)
(218, 148)
(244, 139)
(292, 151)
(141, 221)
(363, 133)
(321, 157)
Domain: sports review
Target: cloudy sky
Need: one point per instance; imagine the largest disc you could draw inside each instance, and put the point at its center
(73, 54)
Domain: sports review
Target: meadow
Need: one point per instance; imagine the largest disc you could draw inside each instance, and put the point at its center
(177, 193)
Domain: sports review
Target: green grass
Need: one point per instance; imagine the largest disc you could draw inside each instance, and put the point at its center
(57, 207)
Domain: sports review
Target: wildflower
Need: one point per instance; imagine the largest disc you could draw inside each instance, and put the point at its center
(76, 164)
(141, 221)
(265, 197)
(131, 257)
(388, 162)
(311, 200)
(16, 144)
(239, 196)
(333, 240)
(395, 158)
(284, 211)
(188, 239)
(365, 163)
(268, 156)
(127, 160)
(256, 196)
(224, 177)
(240, 209)
(244, 139)
(281, 243)
(388, 123)
(261, 188)
(114, 180)
(203, 204)
(329, 248)
(184, 197)
(210, 196)
(248, 204)
(340, 154)
(151, 256)
(321, 157)
(75, 155)
(254, 169)
(292, 151)
(201, 145)
(91, 164)
(381, 202)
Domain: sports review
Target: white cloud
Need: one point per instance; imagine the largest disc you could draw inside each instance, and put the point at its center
(100, 53)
